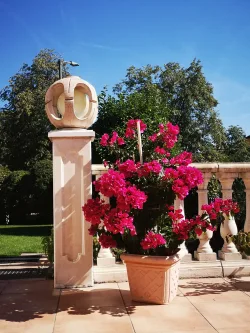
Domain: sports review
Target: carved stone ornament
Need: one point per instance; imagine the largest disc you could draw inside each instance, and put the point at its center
(71, 103)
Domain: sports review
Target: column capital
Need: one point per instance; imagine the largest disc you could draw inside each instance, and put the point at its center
(71, 133)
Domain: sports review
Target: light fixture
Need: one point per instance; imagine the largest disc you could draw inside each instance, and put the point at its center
(62, 62)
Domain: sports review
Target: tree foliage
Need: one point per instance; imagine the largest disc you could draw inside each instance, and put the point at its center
(24, 145)
(157, 94)
(236, 147)
(23, 121)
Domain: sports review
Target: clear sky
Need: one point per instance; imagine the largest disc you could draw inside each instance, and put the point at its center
(107, 36)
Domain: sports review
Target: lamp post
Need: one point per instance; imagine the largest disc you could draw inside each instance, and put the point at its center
(76, 101)
(62, 62)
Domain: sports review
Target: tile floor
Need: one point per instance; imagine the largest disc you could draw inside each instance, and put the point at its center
(202, 305)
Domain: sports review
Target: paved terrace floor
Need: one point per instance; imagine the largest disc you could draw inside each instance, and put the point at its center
(202, 305)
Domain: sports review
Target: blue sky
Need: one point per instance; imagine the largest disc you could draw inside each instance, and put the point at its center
(107, 36)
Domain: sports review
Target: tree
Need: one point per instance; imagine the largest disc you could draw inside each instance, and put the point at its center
(236, 147)
(24, 145)
(24, 124)
(180, 95)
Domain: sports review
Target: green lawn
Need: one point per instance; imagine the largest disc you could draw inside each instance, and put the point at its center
(16, 239)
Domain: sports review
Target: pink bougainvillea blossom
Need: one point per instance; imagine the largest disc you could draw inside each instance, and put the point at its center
(152, 241)
(185, 158)
(116, 221)
(120, 141)
(149, 167)
(167, 135)
(183, 227)
(113, 138)
(220, 206)
(110, 183)
(130, 197)
(132, 127)
(142, 194)
(94, 210)
(107, 241)
(104, 140)
(128, 168)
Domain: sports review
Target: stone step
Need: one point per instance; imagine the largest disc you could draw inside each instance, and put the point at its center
(191, 269)
(24, 258)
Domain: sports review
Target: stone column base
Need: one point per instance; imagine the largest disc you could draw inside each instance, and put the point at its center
(187, 257)
(201, 256)
(229, 256)
(245, 256)
(106, 262)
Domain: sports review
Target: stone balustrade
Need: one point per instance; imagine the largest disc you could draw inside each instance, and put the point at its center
(225, 173)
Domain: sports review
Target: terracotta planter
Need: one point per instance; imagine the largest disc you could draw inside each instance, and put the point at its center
(152, 279)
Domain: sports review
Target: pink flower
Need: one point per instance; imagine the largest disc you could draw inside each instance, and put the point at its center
(160, 151)
(220, 206)
(152, 241)
(113, 138)
(167, 135)
(175, 215)
(128, 168)
(165, 161)
(116, 221)
(169, 208)
(132, 127)
(129, 133)
(170, 174)
(107, 241)
(94, 210)
(110, 183)
(93, 229)
(184, 158)
(149, 167)
(153, 137)
(186, 178)
(104, 140)
(131, 197)
(120, 141)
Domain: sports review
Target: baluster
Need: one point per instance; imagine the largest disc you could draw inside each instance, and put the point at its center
(204, 251)
(247, 190)
(105, 257)
(228, 251)
(179, 204)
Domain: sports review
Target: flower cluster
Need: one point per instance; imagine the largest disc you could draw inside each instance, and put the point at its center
(167, 136)
(107, 241)
(198, 224)
(114, 220)
(107, 141)
(183, 179)
(152, 240)
(132, 126)
(140, 217)
(219, 207)
(95, 210)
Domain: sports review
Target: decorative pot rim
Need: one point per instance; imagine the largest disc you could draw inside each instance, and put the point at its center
(154, 260)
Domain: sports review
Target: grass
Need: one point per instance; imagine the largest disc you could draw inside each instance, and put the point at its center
(17, 239)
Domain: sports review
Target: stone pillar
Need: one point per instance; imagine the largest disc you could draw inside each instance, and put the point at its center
(226, 188)
(73, 246)
(204, 251)
(105, 257)
(247, 190)
(179, 204)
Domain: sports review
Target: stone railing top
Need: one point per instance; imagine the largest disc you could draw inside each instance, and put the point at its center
(98, 169)
(223, 167)
(204, 167)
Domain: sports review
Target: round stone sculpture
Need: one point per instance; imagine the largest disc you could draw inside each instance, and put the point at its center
(71, 103)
